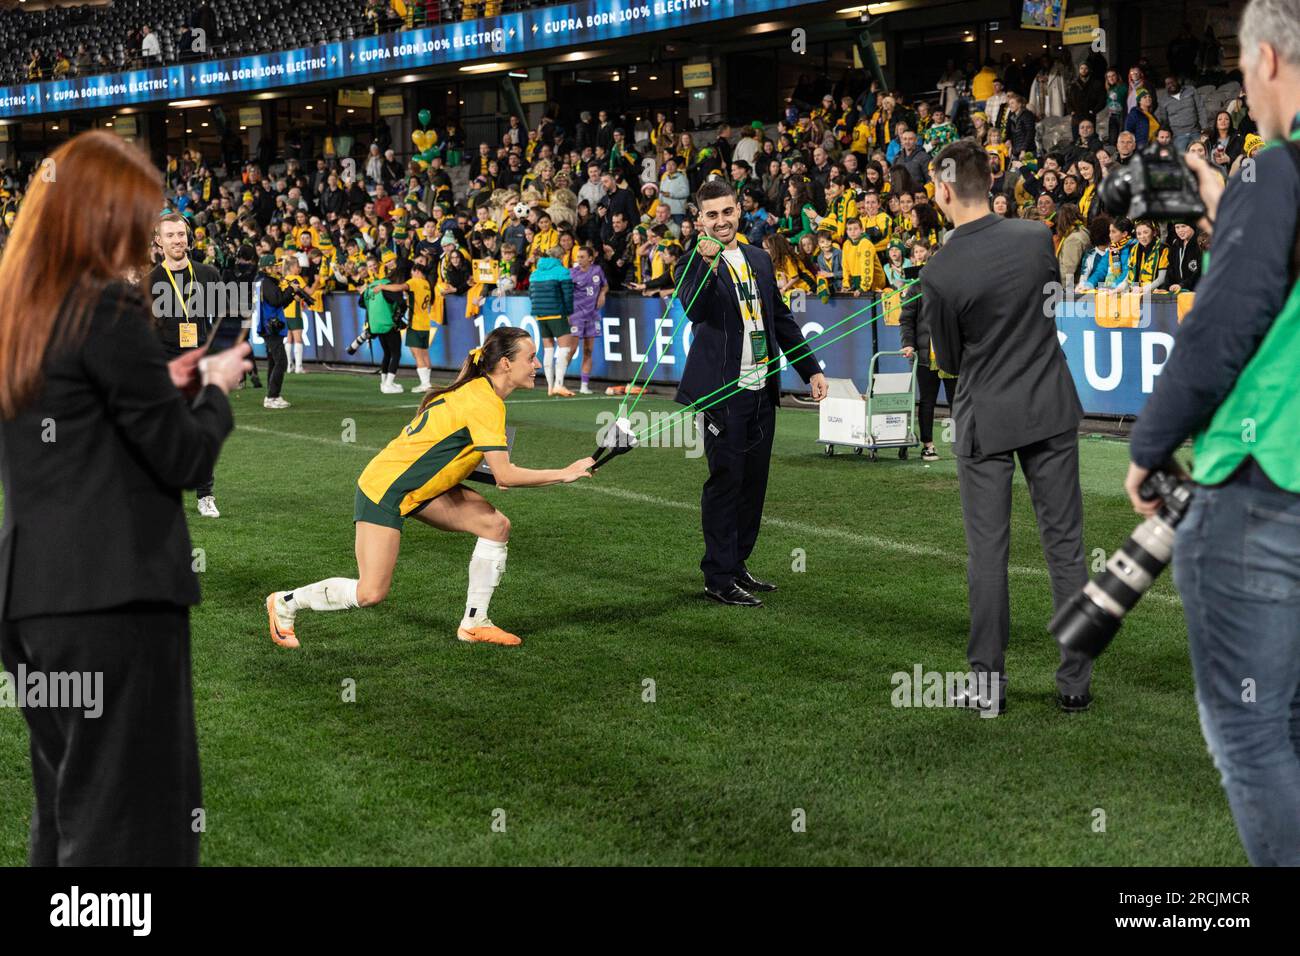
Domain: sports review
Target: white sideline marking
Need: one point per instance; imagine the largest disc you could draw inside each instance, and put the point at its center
(785, 524)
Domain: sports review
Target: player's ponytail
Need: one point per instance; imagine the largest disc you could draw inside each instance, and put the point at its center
(500, 343)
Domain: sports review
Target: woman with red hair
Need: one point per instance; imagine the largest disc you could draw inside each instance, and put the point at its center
(99, 434)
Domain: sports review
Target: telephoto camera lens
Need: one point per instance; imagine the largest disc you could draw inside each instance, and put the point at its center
(1093, 616)
(359, 341)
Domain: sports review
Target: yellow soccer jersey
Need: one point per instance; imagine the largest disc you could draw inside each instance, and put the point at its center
(543, 241)
(438, 449)
(421, 303)
(294, 310)
(318, 297)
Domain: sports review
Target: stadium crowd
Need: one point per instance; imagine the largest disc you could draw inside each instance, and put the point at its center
(838, 190)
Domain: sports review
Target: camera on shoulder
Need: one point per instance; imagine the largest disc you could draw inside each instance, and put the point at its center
(1156, 184)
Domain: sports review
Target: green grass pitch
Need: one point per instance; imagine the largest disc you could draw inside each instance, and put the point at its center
(757, 714)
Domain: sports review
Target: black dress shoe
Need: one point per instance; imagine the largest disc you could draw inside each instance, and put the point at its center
(751, 583)
(733, 594)
(973, 701)
(1073, 703)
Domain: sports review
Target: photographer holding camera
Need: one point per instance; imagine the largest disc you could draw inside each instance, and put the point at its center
(1230, 384)
(272, 297)
(384, 321)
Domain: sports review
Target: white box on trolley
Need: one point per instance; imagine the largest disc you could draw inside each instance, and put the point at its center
(844, 414)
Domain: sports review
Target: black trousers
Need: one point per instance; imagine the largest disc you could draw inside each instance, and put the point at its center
(204, 488)
(391, 343)
(276, 365)
(1051, 468)
(731, 507)
(927, 385)
(122, 788)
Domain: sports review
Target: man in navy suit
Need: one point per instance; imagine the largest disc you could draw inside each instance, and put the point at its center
(740, 327)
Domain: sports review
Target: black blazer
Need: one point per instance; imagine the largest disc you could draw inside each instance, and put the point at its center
(718, 329)
(988, 301)
(912, 329)
(93, 470)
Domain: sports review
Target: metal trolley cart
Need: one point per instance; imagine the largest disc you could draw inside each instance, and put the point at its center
(883, 418)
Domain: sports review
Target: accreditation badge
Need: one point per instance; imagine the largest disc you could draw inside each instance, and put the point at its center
(189, 335)
(758, 343)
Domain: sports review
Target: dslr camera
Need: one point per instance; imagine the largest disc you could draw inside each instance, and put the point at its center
(1156, 184)
(1093, 616)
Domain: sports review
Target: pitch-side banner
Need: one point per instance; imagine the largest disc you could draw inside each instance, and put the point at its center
(1114, 368)
(565, 26)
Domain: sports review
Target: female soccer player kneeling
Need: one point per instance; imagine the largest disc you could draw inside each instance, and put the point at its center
(418, 475)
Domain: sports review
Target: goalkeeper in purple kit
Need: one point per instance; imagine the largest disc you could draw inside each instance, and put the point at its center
(589, 288)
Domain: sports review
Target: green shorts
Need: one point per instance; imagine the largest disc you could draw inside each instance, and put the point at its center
(417, 338)
(366, 510)
(293, 324)
(554, 328)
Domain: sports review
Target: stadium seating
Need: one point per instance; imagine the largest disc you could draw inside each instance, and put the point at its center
(245, 26)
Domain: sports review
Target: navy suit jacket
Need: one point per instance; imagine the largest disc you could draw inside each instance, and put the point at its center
(718, 330)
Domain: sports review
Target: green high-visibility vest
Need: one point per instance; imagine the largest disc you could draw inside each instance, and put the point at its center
(379, 312)
(1261, 415)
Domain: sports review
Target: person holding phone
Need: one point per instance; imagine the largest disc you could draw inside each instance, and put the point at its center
(184, 302)
(96, 572)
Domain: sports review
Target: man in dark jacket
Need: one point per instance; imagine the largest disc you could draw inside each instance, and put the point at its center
(1021, 126)
(616, 249)
(584, 133)
(1086, 96)
(723, 145)
(986, 301)
(333, 199)
(605, 132)
(618, 198)
(185, 299)
(241, 277)
(263, 203)
(741, 326)
(913, 158)
(1085, 145)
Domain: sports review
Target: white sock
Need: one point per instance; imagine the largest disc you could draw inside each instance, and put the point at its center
(424, 375)
(332, 594)
(561, 363)
(297, 355)
(485, 570)
(548, 368)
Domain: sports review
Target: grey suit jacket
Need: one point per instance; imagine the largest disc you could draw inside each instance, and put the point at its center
(988, 300)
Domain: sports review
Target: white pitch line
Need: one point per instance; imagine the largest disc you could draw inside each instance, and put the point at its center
(785, 524)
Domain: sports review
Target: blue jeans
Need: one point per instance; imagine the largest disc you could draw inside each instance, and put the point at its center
(1237, 568)
(1182, 141)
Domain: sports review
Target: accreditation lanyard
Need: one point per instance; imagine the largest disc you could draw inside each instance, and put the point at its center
(750, 315)
(188, 332)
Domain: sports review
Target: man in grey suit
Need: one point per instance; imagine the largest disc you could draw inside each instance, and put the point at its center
(987, 300)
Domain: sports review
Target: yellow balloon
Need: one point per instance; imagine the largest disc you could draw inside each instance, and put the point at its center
(424, 139)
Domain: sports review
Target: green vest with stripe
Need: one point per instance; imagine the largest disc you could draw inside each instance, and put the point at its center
(1261, 415)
